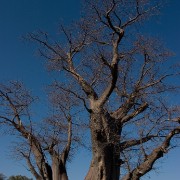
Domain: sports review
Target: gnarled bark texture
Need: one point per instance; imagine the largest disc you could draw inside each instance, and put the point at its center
(105, 147)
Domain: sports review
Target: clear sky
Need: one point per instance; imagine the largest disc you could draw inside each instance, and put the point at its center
(19, 62)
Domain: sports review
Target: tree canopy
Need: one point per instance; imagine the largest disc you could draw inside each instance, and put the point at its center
(18, 177)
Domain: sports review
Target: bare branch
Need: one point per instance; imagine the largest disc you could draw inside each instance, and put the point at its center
(31, 167)
(139, 110)
(135, 142)
(156, 154)
(68, 145)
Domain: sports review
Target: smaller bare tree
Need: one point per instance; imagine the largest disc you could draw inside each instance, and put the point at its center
(48, 140)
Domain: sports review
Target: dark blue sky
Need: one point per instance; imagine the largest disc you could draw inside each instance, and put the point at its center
(19, 62)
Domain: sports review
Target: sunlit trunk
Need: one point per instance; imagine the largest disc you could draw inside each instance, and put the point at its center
(55, 168)
(59, 170)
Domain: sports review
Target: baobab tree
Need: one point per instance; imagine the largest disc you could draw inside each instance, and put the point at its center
(122, 79)
(40, 142)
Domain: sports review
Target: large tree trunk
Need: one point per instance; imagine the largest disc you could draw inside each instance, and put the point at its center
(104, 164)
(59, 169)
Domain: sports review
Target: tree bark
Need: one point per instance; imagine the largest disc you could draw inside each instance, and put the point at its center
(63, 173)
(58, 169)
(105, 160)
